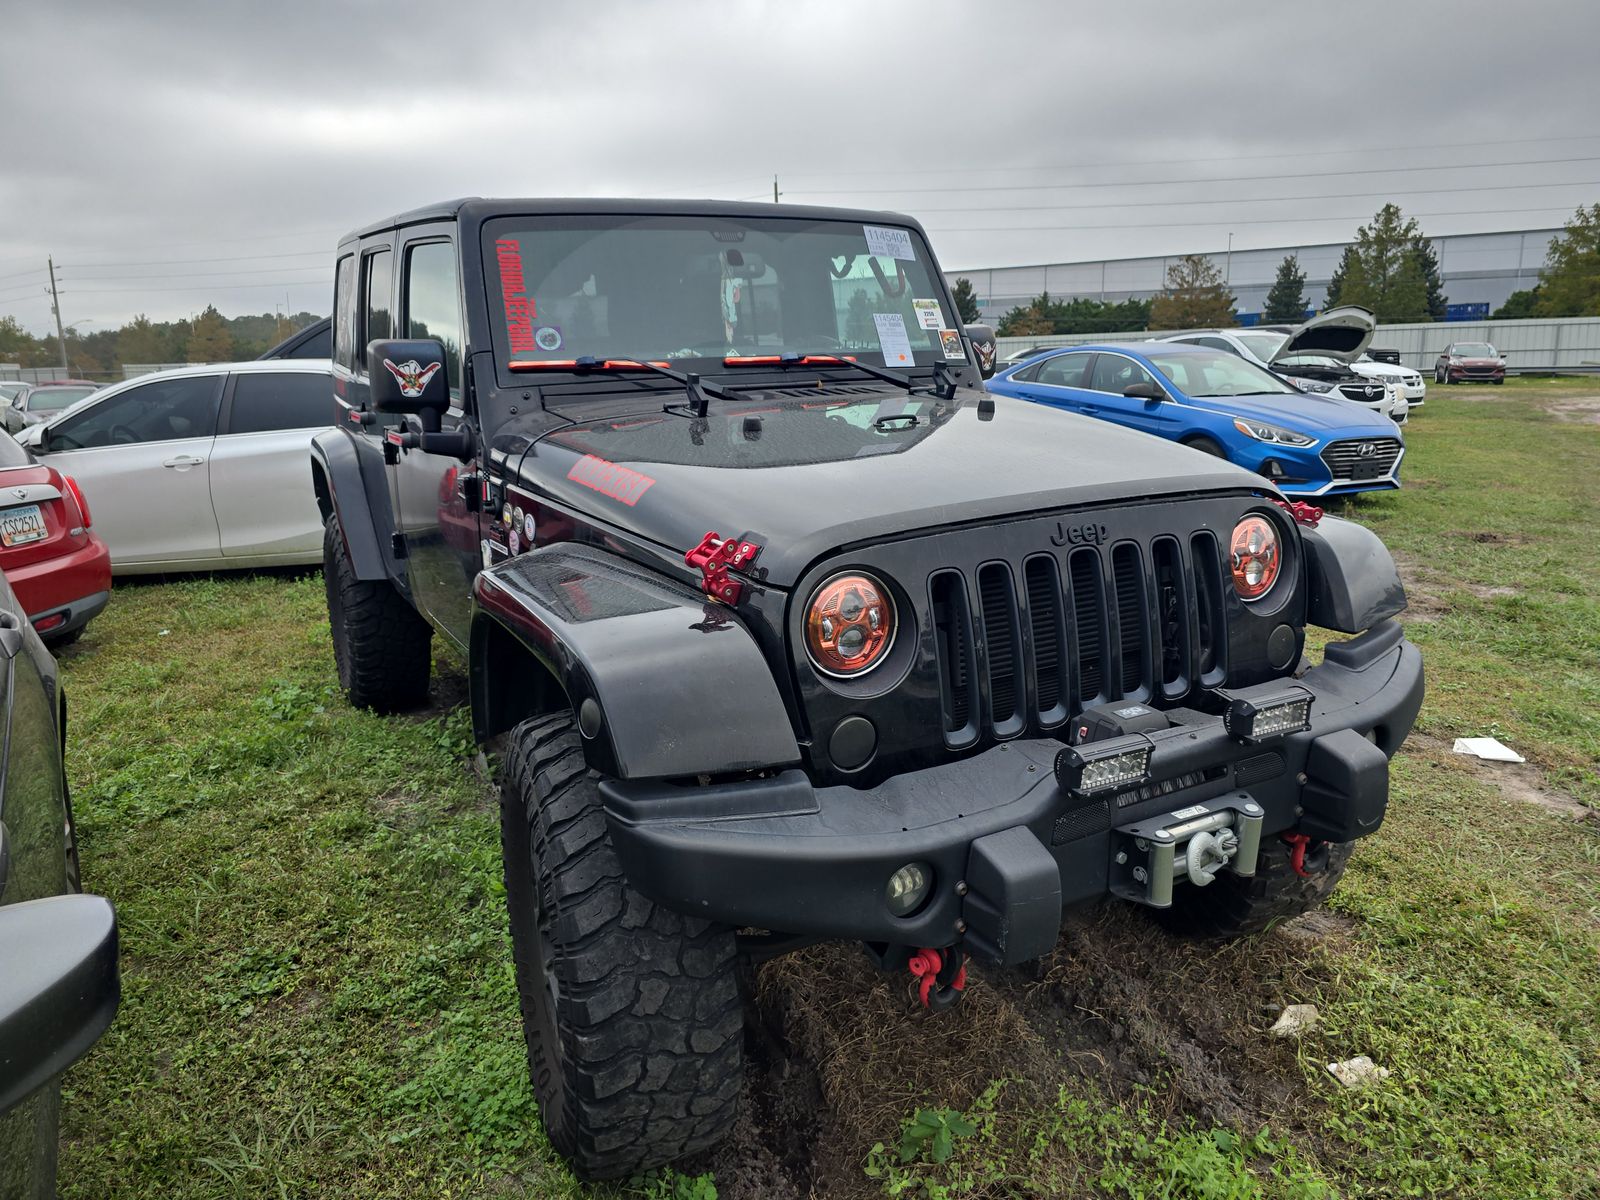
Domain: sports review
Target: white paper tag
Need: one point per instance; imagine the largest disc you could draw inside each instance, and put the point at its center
(928, 314)
(890, 243)
(1487, 748)
(892, 338)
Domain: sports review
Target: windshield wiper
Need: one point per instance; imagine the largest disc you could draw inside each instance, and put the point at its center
(944, 381)
(696, 390)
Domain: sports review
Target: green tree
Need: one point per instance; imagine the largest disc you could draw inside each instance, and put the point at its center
(967, 302)
(1519, 306)
(1349, 263)
(1194, 296)
(16, 343)
(210, 340)
(1287, 299)
(1428, 262)
(1569, 285)
(1391, 281)
(141, 340)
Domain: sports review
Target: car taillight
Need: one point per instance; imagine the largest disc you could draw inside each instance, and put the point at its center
(849, 625)
(1255, 557)
(77, 497)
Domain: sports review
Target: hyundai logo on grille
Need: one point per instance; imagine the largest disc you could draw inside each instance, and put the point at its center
(1366, 450)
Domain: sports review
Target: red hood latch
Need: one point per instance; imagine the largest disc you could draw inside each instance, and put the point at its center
(714, 557)
(1303, 513)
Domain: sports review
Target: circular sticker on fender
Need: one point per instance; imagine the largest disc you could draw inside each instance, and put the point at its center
(547, 337)
(527, 528)
(516, 541)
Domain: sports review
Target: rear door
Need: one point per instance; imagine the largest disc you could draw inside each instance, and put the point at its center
(1059, 380)
(260, 481)
(143, 459)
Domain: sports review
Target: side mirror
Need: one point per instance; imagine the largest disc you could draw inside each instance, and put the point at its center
(986, 348)
(34, 437)
(1144, 390)
(409, 377)
(59, 990)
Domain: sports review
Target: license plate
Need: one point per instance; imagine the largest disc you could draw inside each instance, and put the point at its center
(1371, 469)
(20, 525)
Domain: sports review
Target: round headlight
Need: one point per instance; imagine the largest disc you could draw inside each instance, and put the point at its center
(1255, 557)
(849, 625)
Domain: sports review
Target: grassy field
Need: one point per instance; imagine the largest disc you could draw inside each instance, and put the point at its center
(317, 985)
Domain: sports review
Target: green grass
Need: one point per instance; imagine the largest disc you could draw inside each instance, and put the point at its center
(317, 986)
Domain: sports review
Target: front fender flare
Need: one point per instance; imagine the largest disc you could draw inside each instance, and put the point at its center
(341, 490)
(663, 682)
(1353, 582)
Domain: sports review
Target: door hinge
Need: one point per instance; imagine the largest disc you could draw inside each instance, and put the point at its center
(397, 543)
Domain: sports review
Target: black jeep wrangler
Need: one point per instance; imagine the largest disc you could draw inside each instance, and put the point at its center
(793, 632)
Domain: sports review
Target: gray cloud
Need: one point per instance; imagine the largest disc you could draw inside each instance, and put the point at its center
(165, 131)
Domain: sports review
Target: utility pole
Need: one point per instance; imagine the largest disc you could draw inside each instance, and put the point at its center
(1227, 270)
(55, 307)
(774, 189)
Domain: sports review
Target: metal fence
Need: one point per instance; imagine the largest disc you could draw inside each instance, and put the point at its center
(1570, 344)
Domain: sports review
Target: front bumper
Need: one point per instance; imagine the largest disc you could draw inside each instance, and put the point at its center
(1007, 847)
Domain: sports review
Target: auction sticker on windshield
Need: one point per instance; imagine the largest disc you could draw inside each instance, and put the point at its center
(21, 525)
(928, 314)
(892, 338)
(889, 243)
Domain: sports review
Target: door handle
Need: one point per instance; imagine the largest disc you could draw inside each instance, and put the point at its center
(184, 461)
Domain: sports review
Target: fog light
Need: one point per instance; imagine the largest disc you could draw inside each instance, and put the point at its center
(45, 624)
(1114, 764)
(908, 888)
(1263, 717)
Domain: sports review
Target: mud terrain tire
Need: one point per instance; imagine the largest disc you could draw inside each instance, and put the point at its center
(1232, 906)
(382, 647)
(631, 1012)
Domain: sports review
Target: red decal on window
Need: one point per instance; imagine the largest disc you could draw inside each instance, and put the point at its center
(608, 479)
(514, 292)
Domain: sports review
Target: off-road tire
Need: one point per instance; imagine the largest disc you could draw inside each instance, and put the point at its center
(1206, 446)
(631, 1011)
(1232, 906)
(381, 645)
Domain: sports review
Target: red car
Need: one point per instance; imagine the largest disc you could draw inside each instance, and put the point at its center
(1462, 362)
(59, 570)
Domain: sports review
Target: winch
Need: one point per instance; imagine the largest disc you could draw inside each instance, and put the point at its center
(1193, 843)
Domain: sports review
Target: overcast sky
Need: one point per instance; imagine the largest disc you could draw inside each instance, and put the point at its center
(235, 141)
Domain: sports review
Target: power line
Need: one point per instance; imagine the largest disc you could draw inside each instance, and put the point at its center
(20, 274)
(1460, 212)
(175, 262)
(205, 287)
(190, 274)
(1143, 183)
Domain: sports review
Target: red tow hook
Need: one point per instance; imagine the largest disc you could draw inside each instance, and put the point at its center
(1299, 844)
(941, 977)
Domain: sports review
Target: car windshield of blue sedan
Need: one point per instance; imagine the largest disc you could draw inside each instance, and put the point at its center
(1204, 373)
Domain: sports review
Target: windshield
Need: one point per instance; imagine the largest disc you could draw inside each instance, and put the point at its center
(1475, 350)
(1202, 373)
(1263, 345)
(687, 288)
(54, 399)
(8, 391)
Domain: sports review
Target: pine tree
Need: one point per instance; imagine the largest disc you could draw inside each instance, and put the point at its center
(1349, 263)
(967, 302)
(1287, 299)
(209, 340)
(1391, 281)
(1428, 262)
(1569, 285)
(1195, 296)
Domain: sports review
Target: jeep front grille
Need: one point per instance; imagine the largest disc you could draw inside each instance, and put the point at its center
(1083, 627)
(1350, 460)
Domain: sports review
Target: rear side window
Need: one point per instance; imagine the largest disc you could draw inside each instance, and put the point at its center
(433, 304)
(280, 400)
(319, 345)
(377, 322)
(1066, 370)
(344, 313)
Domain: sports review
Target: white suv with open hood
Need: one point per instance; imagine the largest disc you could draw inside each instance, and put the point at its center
(1315, 357)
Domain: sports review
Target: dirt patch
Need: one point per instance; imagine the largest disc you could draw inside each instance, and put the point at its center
(1583, 411)
(1424, 601)
(1487, 537)
(1522, 782)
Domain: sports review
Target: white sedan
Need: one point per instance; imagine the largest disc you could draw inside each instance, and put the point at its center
(201, 467)
(1411, 384)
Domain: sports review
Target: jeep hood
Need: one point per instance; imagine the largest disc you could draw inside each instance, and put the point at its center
(804, 476)
(1341, 333)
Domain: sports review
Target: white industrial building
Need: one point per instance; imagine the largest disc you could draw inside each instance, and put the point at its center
(1479, 271)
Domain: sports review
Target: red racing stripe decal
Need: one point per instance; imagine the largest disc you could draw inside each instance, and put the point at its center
(607, 478)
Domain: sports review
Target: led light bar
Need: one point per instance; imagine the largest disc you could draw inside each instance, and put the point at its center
(1111, 765)
(1262, 717)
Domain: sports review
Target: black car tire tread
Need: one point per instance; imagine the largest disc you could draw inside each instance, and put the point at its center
(647, 1061)
(1233, 905)
(381, 646)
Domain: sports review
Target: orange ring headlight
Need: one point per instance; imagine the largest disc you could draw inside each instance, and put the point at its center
(1255, 557)
(849, 625)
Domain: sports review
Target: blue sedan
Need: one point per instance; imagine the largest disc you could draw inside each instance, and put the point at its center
(1216, 402)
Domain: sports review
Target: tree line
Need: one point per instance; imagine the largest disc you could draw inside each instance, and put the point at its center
(1390, 268)
(209, 337)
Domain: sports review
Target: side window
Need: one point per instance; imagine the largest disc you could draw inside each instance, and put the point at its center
(376, 320)
(1066, 370)
(280, 400)
(1112, 373)
(156, 412)
(344, 313)
(1028, 374)
(319, 345)
(1217, 343)
(433, 303)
